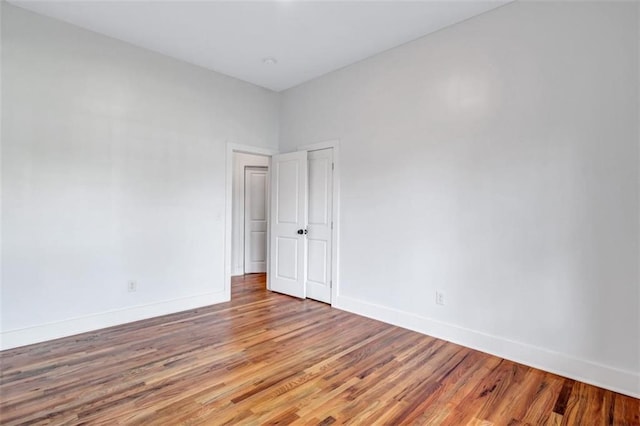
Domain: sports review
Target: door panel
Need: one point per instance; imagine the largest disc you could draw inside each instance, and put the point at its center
(289, 213)
(255, 220)
(287, 249)
(289, 199)
(318, 272)
(319, 169)
(258, 251)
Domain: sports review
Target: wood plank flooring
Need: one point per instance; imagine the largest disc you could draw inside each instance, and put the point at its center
(265, 358)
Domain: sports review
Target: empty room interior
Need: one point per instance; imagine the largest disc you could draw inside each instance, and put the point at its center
(320, 212)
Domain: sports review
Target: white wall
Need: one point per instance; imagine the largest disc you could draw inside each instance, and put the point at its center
(113, 169)
(496, 161)
(240, 161)
(1, 326)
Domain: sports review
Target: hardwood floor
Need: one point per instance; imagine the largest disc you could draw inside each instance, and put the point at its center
(265, 358)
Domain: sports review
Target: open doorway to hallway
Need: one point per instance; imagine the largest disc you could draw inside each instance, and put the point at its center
(249, 215)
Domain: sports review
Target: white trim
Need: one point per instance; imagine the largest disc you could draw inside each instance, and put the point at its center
(237, 271)
(335, 233)
(249, 149)
(228, 217)
(333, 143)
(625, 382)
(69, 327)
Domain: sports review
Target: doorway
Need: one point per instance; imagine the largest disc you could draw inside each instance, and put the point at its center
(237, 158)
(318, 273)
(249, 235)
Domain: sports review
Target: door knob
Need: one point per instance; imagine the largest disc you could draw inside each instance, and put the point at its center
(300, 231)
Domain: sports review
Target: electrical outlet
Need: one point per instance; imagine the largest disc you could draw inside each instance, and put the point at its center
(132, 286)
(439, 298)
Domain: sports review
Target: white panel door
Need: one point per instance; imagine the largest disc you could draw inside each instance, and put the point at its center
(288, 219)
(255, 219)
(318, 272)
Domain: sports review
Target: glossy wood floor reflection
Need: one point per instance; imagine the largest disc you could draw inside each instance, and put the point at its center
(265, 358)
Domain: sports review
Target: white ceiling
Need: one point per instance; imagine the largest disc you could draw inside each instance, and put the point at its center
(308, 38)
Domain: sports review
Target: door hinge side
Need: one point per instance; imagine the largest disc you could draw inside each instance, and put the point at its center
(333, 165)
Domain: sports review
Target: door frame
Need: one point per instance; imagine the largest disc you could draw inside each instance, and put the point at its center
(335, 233)
(228, 221)
(335, 236)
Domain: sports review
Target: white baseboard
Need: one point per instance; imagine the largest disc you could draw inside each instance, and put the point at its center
(625, 382)
(40, 333)
(237, 271)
